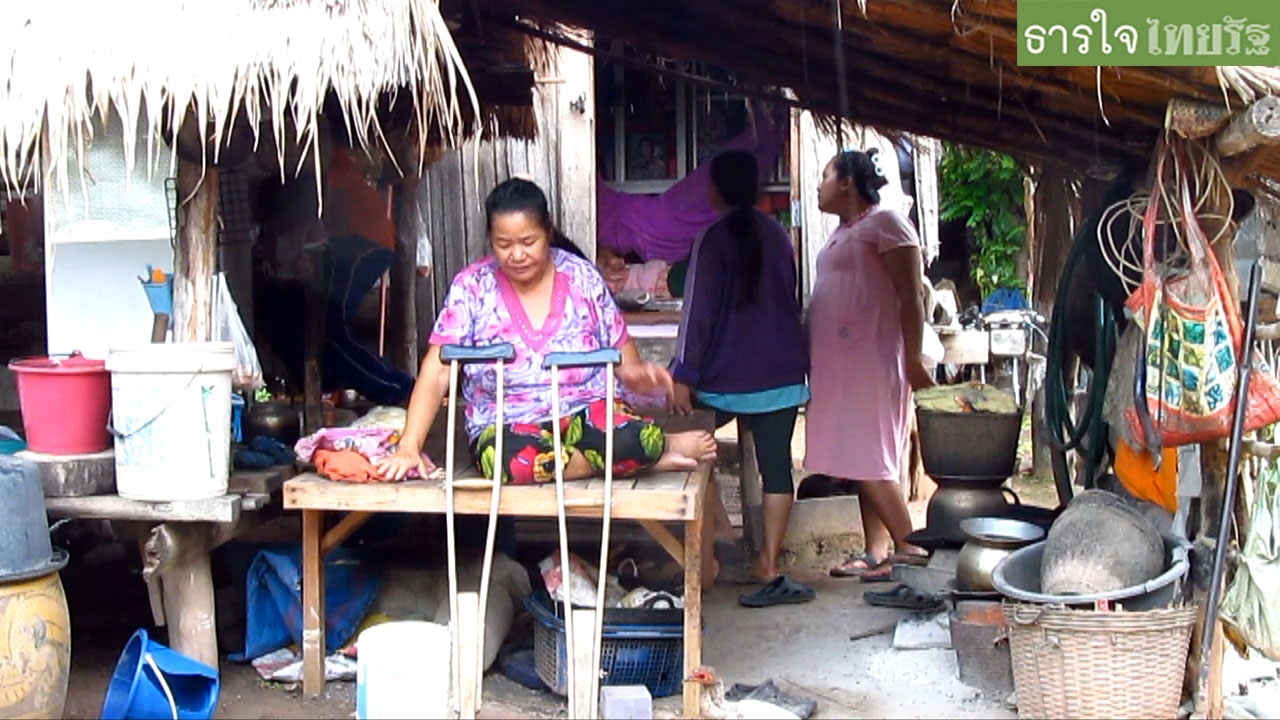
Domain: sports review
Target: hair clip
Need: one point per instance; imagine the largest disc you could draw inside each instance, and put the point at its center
(877, 164)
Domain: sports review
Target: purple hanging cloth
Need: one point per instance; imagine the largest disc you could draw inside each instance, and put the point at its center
(663, 227)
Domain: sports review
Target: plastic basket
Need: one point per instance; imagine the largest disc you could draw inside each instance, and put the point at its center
(1097, 664)
(649, 655)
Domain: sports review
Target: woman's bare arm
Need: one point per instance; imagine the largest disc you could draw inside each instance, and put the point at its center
(905, 270)
(424, 403)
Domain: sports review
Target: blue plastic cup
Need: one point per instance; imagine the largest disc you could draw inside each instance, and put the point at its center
(160, 295)
(152, 682)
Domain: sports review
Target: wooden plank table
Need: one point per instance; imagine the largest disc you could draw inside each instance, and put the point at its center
(176, 539)
(650, 500)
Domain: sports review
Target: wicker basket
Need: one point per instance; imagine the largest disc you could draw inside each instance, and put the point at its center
(1097, 664)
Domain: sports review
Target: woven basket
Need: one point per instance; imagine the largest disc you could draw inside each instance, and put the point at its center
(1096, 664)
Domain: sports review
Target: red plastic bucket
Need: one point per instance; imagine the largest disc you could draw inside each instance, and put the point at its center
(66, 404)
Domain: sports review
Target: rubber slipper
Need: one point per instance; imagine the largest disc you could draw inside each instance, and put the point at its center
(903, 597)
(855, 566)
(878, 573)
(913, 559)
(778, 591)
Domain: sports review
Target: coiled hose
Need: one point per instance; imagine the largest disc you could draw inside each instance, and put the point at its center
(1065, 433)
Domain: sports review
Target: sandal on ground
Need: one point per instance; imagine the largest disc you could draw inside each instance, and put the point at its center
(910, 558)
(878, 573)
(855, 565)
(778, 591)
(904, 597)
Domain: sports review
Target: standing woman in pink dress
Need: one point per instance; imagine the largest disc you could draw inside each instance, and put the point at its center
(866, 323)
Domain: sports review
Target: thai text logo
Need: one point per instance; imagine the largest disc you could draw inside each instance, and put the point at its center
(1146, 32)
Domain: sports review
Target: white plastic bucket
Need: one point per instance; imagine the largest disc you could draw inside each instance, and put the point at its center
(171, 419)
(403, 671)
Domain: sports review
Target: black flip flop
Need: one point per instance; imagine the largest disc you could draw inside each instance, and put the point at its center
(904, 597)
(778, 591)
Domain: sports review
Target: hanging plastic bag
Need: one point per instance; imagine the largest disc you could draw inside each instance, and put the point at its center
(227, 327)
(1249, 607)
(1186, 385)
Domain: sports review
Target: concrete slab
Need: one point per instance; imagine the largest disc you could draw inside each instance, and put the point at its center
(806, 649)
(923, 632)
(817, 519)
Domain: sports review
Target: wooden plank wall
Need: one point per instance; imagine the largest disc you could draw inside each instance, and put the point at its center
(561, 160)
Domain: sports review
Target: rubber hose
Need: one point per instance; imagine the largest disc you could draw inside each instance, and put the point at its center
(1065, 434)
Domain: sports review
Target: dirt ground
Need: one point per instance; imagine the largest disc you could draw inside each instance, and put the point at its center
(805, 649)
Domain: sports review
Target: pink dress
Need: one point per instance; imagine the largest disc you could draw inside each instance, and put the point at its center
(856, 421)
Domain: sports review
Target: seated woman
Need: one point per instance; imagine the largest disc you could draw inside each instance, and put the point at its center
(541, 300)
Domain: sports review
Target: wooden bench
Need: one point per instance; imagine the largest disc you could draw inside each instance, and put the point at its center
(650, 500)
(176, 539)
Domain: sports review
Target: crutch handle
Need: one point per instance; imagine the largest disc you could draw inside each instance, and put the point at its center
(473, 353)
(604, 356)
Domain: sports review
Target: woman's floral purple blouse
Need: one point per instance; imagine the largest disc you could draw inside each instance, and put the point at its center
(482, 309)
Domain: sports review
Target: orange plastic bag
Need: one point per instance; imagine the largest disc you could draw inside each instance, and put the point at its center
(1193, 343)
(1140, 477)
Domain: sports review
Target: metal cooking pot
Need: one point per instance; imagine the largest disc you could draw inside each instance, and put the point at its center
(969, 444)
(955, 502)
(274, 419)
(990, 540)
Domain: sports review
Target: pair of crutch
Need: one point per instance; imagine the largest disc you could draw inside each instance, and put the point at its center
(583, 700)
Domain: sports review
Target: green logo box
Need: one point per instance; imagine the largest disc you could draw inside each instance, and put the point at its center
(1145, 33)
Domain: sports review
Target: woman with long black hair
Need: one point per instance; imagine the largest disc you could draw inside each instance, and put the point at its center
(742, 350)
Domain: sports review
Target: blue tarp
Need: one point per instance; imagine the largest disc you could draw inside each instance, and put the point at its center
(1004, 299)
(273, 610)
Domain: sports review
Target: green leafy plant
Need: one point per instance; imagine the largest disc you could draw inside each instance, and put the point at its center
(984, 189)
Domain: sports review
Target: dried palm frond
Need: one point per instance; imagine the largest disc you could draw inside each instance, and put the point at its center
(157, 62)
(1249, 82)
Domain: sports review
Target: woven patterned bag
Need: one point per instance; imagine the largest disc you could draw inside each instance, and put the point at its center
(1193, 334)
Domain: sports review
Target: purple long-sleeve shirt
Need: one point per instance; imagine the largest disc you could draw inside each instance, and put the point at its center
(725, 346)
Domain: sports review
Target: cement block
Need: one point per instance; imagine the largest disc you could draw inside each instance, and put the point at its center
(820, 518)
(924, 579)
(75, 475)
(923, 633)
(625, 702)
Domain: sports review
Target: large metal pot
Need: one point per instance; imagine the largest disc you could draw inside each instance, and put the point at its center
(25, 550)
(278, 419)
(958, 500)
(969, 444)
(990, 540)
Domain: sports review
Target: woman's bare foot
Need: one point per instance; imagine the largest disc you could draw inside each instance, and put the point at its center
(686, 449)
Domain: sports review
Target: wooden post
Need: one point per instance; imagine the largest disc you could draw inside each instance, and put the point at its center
(1258, 125)
(313, 650)
(403, 313)
(1214, 470)
(693, 599)
(581, 703)
(186, 580)
(576, 167)
(314, 328)
(195, 257)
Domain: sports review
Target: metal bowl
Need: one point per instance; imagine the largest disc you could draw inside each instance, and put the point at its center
(991, 539)
(1001, 532)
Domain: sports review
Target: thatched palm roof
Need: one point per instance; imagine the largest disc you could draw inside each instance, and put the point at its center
(153, 60)
(943, 68)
